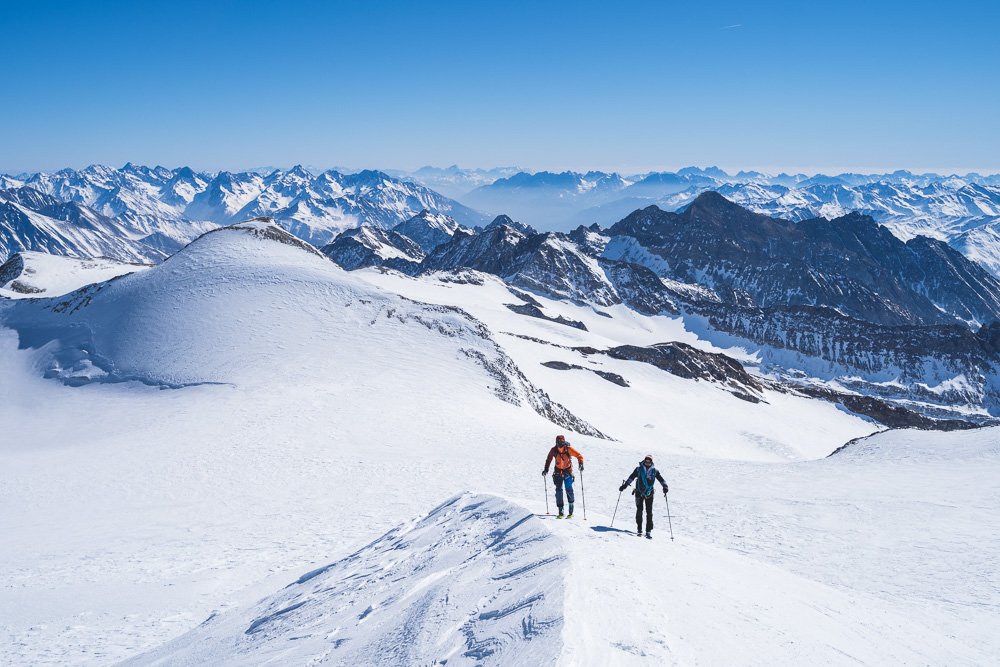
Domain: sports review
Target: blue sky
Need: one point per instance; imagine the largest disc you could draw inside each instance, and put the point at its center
(544, 85)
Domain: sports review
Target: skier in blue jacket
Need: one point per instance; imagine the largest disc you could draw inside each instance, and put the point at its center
(646, 476)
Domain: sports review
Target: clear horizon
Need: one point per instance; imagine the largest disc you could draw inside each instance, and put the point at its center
(732, 171)
(633, 88)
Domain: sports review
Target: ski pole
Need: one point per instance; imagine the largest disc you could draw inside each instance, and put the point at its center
(669, 522)
(545, 492)
(583, 493)
(616, 505)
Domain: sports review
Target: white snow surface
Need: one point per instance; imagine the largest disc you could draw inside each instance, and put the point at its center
(246, 413)
(981, 244)
(56, 275)
(477, 581)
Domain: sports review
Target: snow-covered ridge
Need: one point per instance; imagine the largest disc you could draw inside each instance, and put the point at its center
(477, 581)
(32, 221)
(841, 303)
(224, 310)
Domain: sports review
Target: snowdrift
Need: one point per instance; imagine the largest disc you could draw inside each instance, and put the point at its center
(477, 581)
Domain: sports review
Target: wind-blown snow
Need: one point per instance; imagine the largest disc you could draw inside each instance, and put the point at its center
(478, 581)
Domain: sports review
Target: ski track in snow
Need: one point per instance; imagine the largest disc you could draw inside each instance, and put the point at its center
(132, 514)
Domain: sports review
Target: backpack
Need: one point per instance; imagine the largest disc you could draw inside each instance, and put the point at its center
(641, 480)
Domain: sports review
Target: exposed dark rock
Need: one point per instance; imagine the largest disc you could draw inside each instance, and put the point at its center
(610, 377)
(614, 378)
(524, 296)
(547, 263)
(462, 277)
(685, 361)
(371, 246)
(989, 334)
(639, 288)
(884, 413)
(21, 288)
(506, 372)
(11, 269)
(506, 221)
(561, 365)
(534, 311)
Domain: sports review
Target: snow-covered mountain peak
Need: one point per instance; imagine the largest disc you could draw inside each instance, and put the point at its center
(428, 230)
(265, 229)
(506, 221)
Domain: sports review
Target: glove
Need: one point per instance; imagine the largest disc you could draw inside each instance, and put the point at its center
(665, 489)
(581, 467)
(621, 488)
(544, 473)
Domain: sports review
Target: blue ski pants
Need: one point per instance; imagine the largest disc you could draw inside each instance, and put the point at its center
(563, 480)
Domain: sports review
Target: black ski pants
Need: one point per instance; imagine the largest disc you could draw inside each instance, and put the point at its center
(648, 502)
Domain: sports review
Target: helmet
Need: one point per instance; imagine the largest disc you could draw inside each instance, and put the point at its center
(649, 457)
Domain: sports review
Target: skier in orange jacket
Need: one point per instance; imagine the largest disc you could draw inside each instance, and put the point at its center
(562, 475)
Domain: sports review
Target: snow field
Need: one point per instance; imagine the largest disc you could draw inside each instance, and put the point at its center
(54, 275)
(477, 581)
(316, 410)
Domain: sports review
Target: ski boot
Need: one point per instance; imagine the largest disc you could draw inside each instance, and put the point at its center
(570, 515)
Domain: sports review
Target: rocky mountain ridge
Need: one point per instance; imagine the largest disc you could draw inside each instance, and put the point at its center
(840, 304)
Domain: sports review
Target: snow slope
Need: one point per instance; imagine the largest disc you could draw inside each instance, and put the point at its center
(476, 582)
(76, 232)
(659, 409)
(39, 274)
(893, 578)
(981, 244)
(246, 412)
(184, 322)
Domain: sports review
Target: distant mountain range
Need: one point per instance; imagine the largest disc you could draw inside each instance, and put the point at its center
(929, 204)
(454, 181)
(138, 213)
(949, 208)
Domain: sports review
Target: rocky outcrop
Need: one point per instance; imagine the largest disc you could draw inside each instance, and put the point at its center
(370, 246)
(532, 310)
(613, 378)
(11, 269)
(688, 362)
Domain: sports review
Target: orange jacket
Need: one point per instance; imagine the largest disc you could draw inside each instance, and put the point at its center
(563, 461)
